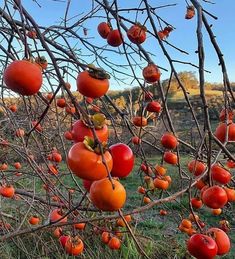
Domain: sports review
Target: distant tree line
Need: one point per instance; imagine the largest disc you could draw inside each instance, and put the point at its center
(188, 78)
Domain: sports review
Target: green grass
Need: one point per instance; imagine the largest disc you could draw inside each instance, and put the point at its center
(158, 235)
(168, 241)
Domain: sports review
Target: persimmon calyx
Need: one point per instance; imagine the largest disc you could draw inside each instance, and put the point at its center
(97, 73)
(41, 59)
(30, 59)
(98, 120)
(191, 8)
(75, 241)
(93, 146)
(141, 26)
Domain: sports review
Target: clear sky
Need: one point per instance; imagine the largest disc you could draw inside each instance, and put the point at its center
(183, 37)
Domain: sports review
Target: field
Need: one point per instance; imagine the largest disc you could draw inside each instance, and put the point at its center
(178, 95)
(158, 235)
(167, 241)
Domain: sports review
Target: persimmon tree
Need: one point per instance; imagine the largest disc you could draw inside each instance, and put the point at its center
(63, 156)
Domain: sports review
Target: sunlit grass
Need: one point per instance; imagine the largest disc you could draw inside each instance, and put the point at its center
(178, 95)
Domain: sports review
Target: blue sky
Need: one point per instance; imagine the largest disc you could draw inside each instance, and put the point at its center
(183, 37)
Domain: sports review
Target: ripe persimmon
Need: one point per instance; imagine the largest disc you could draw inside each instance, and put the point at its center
(74, 246)
(163, 212)
(141, 190)
(200, 184)
(221, 130)
(52, 169)
(140, 121)
(223, 113)
(153, 106)
(93, 83)
(7, 191)
(57, 215)
(19, 133)
(137, 33)
(190, 12)
(32, 34)
(114, 243)
(104, 29)
(49, 96)
(87, 164)
(123, 160)
(136, 140)
(56, 157)
(105, 237)
(151, 73)
(61, 102)
(38, 127)
(80, 130)
(68, 135)
(215, 197)
(160, 170)
(63, 239)
(13, 107)
(161, 184)
(169, 141)
(115, 38)
(57, 232)
(186, 223)
(196, 167)
(105, 197)
(230, 193)
(220, 175)
(146, 200)
(70, 109)
(170, 158)
(23, 77)
(202, 246)
(79, 226)
(34, 220)
(17, 165)
(222, 240)
(196, 203)
(3, 166)
(216, 212)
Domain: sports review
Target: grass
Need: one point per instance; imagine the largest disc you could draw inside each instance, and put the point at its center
(158, 235)
(168, 241)
(178, 95)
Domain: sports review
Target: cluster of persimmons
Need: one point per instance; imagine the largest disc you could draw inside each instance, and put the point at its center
(101, 167)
